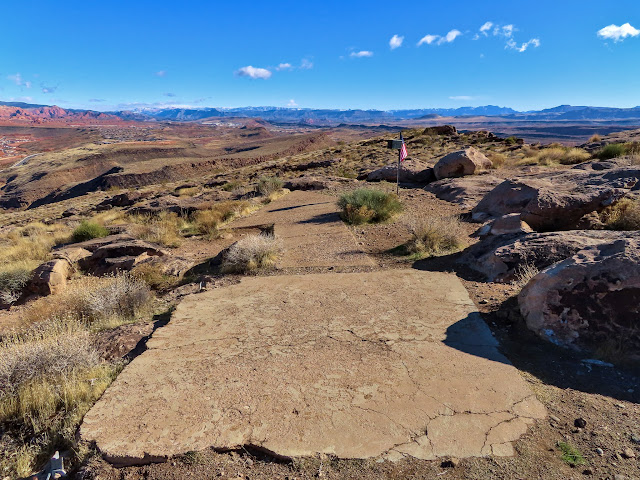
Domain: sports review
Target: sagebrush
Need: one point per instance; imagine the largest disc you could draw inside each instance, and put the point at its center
(253, 252)
(436, 235)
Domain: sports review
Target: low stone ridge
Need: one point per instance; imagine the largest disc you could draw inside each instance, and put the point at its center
(558, 201)
(464, 191)
(350, 364)
(411, 171)
(441, 130)
(501, 258)
(309, 182)
(590, 300)
(461, 163)
(119, 256)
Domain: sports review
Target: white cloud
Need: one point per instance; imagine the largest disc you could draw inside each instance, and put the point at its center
(253, 72)
(448, 38)
(46, 89)
(306, 64)
(395, 42)
(160, 73)
(618, 33)
(17, 79)
(485, 28)
(512, 44)
(507, 31)
(361, 54)
(428, 39)
(284, 66)
(292, 103)
(461, 97)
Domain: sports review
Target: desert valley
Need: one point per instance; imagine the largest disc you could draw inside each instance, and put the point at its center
(320, 240)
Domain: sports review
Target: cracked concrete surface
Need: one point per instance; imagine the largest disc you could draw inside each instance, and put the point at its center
(311, 231)
(382, 364)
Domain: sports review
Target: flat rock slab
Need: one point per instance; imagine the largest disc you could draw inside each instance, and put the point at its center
(311, 231)
(382, 364)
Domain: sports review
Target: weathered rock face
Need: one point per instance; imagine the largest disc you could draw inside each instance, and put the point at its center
(502, 258)
(50, 277)
(440, 130)
(464, 191)
(589, 299)
(72, 254)
(125, 199)
(461, 163)
(558, 201)
(119, 256)
(411, 171)
(509, 224)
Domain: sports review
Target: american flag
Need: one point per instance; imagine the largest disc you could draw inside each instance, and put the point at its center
(403, 150)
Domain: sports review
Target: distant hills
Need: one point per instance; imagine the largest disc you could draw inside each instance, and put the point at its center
(321, 117)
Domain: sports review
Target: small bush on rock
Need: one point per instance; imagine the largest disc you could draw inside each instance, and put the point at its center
(88, 231)
(253, 252)
(613, 150)
(623, 215)
(12, 282)
(368, 206)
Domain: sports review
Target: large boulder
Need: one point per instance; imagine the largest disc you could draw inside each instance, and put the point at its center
(464, 191)
(558, 201)
(590, 300)
(461, 163)
(503, 258)
(411, 171)
(50, 277)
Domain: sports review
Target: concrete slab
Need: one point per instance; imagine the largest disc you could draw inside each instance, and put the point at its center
(311, 231)
(381, 364)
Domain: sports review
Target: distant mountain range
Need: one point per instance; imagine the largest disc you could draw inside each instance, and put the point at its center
(565, 113)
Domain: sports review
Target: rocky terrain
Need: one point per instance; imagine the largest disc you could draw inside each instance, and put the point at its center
(543, 261)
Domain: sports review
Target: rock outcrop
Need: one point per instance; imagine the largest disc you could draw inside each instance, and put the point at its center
(464, 191)
(502, 258)
(119, 256)
(411, 171)
(558, 201)
(461, 163)
(589, 300)
(50, 277)
(440, 130)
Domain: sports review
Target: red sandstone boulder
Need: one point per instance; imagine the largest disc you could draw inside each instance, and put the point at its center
(50, 277)
(461, 163)
(588, 300)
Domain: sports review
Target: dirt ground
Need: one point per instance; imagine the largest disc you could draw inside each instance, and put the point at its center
(594, 408)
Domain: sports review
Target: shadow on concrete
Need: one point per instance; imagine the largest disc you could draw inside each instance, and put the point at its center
(284, 209)
(472, 335)
(322, 218)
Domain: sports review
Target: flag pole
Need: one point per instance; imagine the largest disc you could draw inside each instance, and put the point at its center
(398, 169)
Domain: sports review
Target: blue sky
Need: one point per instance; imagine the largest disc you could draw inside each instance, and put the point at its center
(329, 54)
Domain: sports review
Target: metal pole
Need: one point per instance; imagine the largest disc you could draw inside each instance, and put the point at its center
(398, 170)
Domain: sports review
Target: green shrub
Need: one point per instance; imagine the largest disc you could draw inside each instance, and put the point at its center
(268, 185)
(368, 206)
(87, 231)
(570, 454)
(612, 150)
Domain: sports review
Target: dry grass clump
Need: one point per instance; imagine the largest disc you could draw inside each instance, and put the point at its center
(594, 138)
(50, 372)
(187, 191)
(164, 228)
(12, 282)
(96, 302)
(559, 155)
(623, 215)
(153, 275)
(31, 244)
(524, 274)
(497, 159)
(368, 206)
(436, 235)
(268, 185)
(251, 253)
(208, 222)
